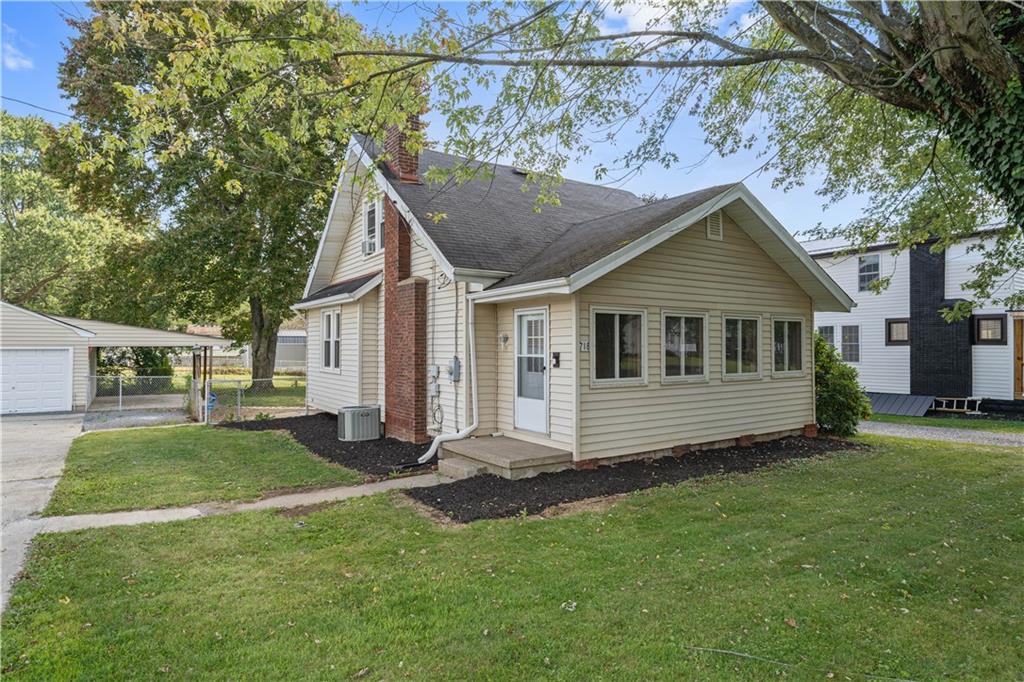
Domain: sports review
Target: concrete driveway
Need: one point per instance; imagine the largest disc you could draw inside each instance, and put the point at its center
(32, 452)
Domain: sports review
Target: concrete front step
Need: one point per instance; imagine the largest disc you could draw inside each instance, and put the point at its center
(502, 456)
(458, 468)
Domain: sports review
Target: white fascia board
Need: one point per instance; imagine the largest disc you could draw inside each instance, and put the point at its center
(386, 188)
(790, 241)
(342, 298)
(78, 330)
(327, 224)
(520, 291)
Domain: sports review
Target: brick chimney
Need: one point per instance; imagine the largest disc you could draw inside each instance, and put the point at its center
(405, 335)
(403, 164)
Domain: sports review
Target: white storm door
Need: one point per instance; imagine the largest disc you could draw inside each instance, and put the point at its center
(531, 386)
(35, 380)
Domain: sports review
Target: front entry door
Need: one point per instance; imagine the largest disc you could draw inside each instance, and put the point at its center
(531, 381)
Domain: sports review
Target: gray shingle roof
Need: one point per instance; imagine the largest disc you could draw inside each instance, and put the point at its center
(490, 223)
(587, 242)
(346, 287)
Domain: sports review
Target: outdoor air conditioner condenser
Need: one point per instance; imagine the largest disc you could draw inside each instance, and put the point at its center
(359, 422)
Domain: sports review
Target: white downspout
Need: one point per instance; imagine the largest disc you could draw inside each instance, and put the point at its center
(446, 437)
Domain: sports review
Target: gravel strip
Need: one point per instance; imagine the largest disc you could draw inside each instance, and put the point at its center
(492, 497)
(319, 433)
(950, 434)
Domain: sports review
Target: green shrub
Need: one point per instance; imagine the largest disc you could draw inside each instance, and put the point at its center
(839, 400)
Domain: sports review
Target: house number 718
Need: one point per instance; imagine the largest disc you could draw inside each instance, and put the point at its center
(585, 346)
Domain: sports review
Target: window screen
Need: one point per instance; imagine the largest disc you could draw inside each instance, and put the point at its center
(741, 339)
(851, 344)
(618, 345)
(788, 346)
(684, 346)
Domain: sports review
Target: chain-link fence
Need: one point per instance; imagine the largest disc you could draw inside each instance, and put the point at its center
(233, 399)
(119, 393)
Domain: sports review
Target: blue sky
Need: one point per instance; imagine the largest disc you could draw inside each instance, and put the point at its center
(32, 44)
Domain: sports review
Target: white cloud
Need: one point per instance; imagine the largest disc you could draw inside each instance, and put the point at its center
(638, 16)
(13, 58)
(748, 19)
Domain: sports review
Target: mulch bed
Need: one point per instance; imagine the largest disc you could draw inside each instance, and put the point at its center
(492, 497)
(319, 433)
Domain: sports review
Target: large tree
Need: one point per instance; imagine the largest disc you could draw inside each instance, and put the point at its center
(916, 104)
(52, 247)
(919, 105)
(233, 135)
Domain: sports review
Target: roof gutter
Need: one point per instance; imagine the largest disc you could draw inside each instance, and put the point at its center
(518, 291)
(340, 298)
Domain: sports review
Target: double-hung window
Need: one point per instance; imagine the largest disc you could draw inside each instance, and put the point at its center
(742, 341)
(787, 346)
(331, 328)
(618, 353)
(868, 270)
(684, 346)
(829, 334)
(850, 343)
(372, 237)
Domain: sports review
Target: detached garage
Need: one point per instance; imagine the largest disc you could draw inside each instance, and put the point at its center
(46, 360)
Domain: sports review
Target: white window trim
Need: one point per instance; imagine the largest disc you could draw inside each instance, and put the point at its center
(336, 331)
(683, 378)
(744, 376)
(628, 381)
(860, 344)
(803, 347)
(861, 261)
(378, 242)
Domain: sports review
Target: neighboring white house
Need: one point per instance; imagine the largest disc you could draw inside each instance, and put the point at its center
(46, 360)
(600, 328)
(898, 340)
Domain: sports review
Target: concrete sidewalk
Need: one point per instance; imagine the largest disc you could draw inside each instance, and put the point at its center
(950, 434)
(22, 531)
(32, 452)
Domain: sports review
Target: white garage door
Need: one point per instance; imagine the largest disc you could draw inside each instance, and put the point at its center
(35, 380)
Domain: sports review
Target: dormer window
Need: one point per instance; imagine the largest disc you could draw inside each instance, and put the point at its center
(373, 239)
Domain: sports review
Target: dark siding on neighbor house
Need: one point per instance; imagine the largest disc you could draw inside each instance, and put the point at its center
(940, 351)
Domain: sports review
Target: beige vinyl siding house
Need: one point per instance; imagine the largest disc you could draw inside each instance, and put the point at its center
(692, 274)
(708, 260)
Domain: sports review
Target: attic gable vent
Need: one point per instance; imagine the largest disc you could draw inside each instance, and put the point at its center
(714, 225)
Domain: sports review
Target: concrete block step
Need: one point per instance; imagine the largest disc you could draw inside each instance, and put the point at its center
(458, 467)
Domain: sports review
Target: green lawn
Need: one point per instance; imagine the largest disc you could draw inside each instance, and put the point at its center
(168, 467)
(995, 425)
(288, 391)
(901, 562)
